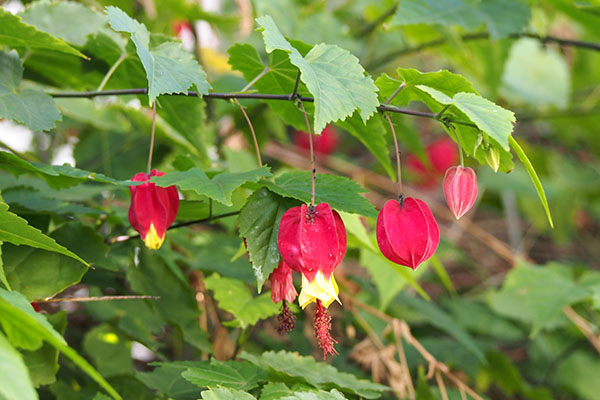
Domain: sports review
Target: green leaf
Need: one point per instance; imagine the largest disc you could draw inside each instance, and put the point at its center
(226, 394)
(219, 188)
(27, 329)
(177, 303)
(578, 373)
(492, 119)
(229, 374)
(2, 272)
(43, 362)
(50, 17)
(537, 295)
(57, 176)
(386, 278)
(502, 17)
(536, 74)
(333, 76)
(275, 391)
(442, 80)
(33, 108)
(15, 230)
(259, 225)
(280, 79)
(318, 374)
(320, 395)
(534, 177)
(440, 319)
(373, 136)
(166, 378)
(16, 33)
(341, 193)
(15, 383)
(109, 350)
(169, 68)
(234, 297)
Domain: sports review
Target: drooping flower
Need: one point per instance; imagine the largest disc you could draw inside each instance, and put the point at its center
(460, 189)
(153, 209)
(283, 290)
(407, 232)
(282, 285)
(312, 241)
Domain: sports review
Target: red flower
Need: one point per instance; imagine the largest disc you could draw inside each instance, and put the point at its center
(460, 188)
(282, 285)
(153, 209)
(407, 232)
(326, 143)
(312, 241)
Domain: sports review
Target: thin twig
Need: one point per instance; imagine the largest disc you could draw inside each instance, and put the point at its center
(112, 70)
(149, 167)
(312, 155)
(402, 85)
(400, 190)
(441, 385)
(100, 298)
(258, 157)
(584, 327)
(256, 79)
(229, 96)
(125, 238)
(383, 60)
(367, 29)
(295, 91)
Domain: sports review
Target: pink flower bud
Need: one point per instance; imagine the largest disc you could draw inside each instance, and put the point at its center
(153, 209)
(460, 188)
(407, 232)
(282, 284)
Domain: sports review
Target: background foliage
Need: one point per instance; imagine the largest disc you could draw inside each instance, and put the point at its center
(507, 308)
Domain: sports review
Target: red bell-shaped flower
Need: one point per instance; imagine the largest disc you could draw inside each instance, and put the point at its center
(460, 188)
(326, 143)
(312, 241)
(153, 209)
(282, 284)
(407, 232)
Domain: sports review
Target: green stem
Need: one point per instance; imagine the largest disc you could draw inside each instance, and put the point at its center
(149, 167)
(111, 71)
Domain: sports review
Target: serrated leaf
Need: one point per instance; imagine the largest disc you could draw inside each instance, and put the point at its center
(219, 188)
(27, 329)
(16, 230)
(372, 135)
(534, 177)
(50, 17)
(275, 391)
(502, 17)
(442, 80)
(2, 272)
(229, 374)
(492, 119)
(259, 225)
(317, 395)
(280, 79)
(166, 378)
(341, 193)
(33, 108)
(15, 383)
(234, 296)
(318, 374)
(537, 294)
(169, 68)
(16, 33)
(333, 76)
(221, 393)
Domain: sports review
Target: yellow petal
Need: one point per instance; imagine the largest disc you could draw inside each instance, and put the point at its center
(320, 288)
(152, 240)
